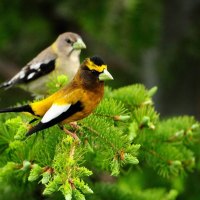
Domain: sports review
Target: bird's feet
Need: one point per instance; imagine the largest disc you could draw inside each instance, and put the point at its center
(74, 125)
(73, 134)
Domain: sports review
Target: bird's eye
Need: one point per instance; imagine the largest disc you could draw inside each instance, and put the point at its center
(68, 41)
(94, 72)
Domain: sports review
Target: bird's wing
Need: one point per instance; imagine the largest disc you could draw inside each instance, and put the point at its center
(59, 111)
(43, 64)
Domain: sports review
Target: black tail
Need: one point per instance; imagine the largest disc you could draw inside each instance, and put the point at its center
(40, 126)
(5, 85)
(25, 108)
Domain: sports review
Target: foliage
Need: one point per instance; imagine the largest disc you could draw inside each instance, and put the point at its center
(145, 47)
(124, 129)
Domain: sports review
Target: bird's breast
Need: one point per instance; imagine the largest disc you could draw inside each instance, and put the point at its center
(67, 66)
(89, 101)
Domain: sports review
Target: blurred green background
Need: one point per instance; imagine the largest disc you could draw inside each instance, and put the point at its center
(151, 42)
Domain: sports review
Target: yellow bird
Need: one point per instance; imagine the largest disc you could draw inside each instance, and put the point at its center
(73, 102)
(62, 57)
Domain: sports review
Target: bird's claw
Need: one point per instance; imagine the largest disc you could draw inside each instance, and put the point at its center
(72, 134)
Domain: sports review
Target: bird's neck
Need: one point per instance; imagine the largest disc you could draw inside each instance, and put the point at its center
(88, 82)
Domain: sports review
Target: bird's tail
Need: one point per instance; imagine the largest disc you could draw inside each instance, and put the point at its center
(26, 108)
(5, 85)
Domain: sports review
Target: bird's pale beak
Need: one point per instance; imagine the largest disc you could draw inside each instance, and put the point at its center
(105, 75)
(79, 44)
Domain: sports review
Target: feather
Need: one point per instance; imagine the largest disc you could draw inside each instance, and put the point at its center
(54, 111)
(52, 119)
(25, 108)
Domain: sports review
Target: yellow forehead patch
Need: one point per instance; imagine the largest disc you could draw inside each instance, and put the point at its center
(92, 66)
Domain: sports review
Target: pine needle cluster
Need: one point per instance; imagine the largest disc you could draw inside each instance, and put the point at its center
(116, 149)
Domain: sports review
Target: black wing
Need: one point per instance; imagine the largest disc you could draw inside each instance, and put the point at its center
(77, 107)
(30, 73)
(33, 73)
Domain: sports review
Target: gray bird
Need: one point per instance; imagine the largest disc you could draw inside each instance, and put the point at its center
(62, 57)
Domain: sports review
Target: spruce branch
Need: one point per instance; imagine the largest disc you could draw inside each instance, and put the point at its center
(108, 140)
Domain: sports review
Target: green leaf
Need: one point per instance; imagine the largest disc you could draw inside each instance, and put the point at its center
(35, 172)
(115, 167)
(53, 186)
(56, 82)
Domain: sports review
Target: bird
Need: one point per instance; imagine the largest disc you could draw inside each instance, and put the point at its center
(62, 57)
(73, 102)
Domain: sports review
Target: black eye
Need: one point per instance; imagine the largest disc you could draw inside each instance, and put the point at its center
(96, 73)
(68, 41)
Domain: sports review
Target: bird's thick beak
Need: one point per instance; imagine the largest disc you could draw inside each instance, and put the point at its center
(79, 44)
(105, 75)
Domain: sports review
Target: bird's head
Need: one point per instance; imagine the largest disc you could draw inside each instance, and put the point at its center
(94, 70)
(67, 43)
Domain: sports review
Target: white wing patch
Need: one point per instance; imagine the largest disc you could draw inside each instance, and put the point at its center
(21, 74)
(35, 66)
(30, 75)
(54, 112)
